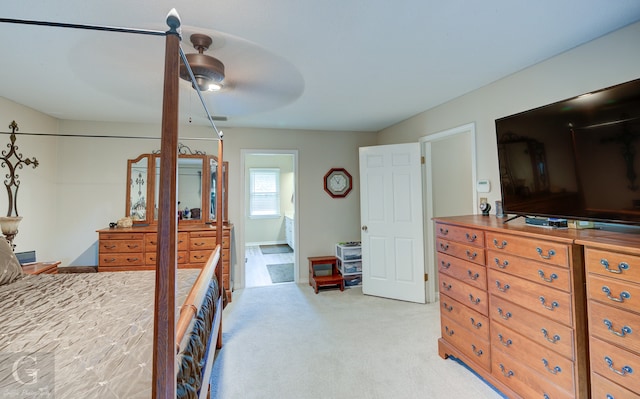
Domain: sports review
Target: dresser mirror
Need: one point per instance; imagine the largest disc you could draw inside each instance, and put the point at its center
(197, 177)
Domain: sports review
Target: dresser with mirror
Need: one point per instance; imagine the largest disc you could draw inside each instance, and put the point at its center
(134, 248)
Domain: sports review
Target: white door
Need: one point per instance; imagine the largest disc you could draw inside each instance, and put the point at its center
(392, 223)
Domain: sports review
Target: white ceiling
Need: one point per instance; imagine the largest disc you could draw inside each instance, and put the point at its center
(358, 65)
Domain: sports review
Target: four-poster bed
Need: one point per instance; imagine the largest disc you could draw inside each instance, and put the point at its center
(119, 309)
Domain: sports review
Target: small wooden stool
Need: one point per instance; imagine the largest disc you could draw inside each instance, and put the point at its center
(326, 275)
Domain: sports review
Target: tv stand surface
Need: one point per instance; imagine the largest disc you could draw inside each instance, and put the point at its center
(514, 218)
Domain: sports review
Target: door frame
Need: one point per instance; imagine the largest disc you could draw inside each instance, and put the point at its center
(427, 175)
(240, 283)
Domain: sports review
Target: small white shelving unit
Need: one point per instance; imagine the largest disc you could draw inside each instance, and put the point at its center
(349, 259)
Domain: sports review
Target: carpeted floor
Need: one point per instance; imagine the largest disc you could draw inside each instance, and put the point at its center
(275, 249)
(283, 341)
(281, 273)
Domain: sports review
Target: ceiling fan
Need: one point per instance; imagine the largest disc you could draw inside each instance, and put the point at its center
(208, 71)
(251, 79)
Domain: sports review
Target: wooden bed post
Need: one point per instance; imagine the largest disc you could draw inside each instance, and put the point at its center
(219, 221)
(164, 342)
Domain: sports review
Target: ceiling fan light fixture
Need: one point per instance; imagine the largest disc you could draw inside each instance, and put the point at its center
(215, 86)
(206, 69)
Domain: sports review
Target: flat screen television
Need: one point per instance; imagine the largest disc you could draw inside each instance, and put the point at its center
(575, 159)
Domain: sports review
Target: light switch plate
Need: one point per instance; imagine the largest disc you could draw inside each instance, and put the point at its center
(483, 186)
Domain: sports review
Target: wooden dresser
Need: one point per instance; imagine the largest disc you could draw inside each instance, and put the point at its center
(613, 291)
(513, 305)
(134, 248)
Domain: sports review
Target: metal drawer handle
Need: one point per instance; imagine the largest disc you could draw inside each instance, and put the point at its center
(198, 256)
(444, 232)
(132, 259)
(505, 316)
(446, 307)
(552, 277)
(475, 325)
(500, 288)
(623, 371)
(153, 243)
(499, 246)
(446, 286)
(621, 266)
(471, 255)
(474, 301)
(504, 372)
(623, 295)
(109, 260)
(553, 339)
(132, 246)
(476, 352)
(471, 238)
(623, 332)
(445, 265)
(501, 265)
(553, 306)
(109, 246)
(554, 370)
(472, 276)
(549, 254)
(506, 343)
(448, 331)
(198, 244)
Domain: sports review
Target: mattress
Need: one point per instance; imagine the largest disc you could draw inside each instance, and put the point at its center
(90, 335)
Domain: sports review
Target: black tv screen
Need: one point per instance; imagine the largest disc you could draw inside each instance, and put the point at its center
(576, 159)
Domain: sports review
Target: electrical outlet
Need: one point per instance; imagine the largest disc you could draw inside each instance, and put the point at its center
(483, 200)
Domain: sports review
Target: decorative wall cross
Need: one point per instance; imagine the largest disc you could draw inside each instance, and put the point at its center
(11, 179)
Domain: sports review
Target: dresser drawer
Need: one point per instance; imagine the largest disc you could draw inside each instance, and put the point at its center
(546, 301)
(199, 243)
(601, 388)
(462, 251)
(115, 246)
(540, 250)
(468, 272)
(461, 234)
(614, 325)
(151, 241)
(203, 256)
(614, 292)
(548, 275)
(121, 236)
(539, 329)
(472, 320)
(557, 369)
(468, 343)
(466, 294)
(523, 380)
(150, 257)
(615, 364)
(121, 259)
(612, 264)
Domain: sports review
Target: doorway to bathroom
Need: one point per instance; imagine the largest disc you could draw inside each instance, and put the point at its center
(269, 217)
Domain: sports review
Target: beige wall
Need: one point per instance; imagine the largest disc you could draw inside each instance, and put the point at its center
(37, 199)
(80, 185)
(609, 60)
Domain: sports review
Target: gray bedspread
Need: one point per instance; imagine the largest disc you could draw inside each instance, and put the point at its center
(97, 328)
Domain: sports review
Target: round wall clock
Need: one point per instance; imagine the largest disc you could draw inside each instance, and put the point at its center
(337, 182)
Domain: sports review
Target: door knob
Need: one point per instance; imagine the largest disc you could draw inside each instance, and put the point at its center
(364, 228)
